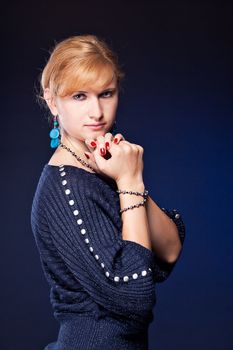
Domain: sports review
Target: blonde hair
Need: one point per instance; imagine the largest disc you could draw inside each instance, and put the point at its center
(78, 62)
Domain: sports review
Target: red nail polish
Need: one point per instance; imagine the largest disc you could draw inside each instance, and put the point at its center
(102, 151)
(107, 144)
(87, 155)
(116, 140)
(93, 143)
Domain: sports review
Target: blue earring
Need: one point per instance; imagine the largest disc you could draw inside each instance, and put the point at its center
(54, 134)
(113, 129)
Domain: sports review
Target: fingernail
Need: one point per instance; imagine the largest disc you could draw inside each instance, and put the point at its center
(107, 145)
(93, 143)
(102, 151)
(87, 155)
(115, 140)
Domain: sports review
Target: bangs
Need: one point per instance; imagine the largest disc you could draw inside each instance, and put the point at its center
(83, 75)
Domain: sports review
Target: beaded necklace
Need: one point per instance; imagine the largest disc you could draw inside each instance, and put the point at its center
(77, 157)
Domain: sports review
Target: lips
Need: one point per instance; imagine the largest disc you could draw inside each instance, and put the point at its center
(95, 124)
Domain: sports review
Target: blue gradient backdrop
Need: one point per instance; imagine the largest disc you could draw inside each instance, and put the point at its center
(176, 103)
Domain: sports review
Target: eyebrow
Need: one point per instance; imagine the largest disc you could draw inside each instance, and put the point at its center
(110, 88)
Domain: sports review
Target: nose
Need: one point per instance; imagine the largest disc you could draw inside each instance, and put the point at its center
(95, 109)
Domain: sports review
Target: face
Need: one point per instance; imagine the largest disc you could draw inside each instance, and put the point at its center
(76, 113)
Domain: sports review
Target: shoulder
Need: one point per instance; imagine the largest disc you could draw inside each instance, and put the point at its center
(63, 192)
(58, 181)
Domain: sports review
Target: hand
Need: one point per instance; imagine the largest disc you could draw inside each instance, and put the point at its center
(103, 144)
(125, 161)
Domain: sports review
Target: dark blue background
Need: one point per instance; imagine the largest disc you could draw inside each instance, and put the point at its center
(176, 103)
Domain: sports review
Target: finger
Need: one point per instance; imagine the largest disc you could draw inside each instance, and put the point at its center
(127, 142)
(101, 147)
(134, 145)
(117, 138)
(98, 159)
(91, 143)
(108, 140)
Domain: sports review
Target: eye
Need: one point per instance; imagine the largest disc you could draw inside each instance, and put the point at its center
(110, 93)
(76, 97)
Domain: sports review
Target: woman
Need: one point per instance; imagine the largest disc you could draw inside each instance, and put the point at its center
(103, 242)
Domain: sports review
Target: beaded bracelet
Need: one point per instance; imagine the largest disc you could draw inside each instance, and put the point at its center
(143, 194)
(134, 206)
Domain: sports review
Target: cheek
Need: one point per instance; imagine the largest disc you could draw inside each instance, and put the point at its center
(71, 118)
(114, 107)
(111, 106)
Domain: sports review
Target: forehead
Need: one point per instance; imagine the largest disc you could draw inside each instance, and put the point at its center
(88, 80)
(97, 88)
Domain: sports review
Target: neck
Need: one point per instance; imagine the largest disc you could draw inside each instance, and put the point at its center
(78, 146)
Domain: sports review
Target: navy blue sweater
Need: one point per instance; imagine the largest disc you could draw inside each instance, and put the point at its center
(102, 288)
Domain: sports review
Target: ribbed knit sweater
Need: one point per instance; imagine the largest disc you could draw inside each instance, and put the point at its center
(102, 288)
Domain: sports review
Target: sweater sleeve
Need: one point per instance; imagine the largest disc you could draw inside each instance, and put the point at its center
(163, 269)
(118, 274)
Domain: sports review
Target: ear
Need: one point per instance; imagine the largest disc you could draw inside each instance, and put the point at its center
(50, 100)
